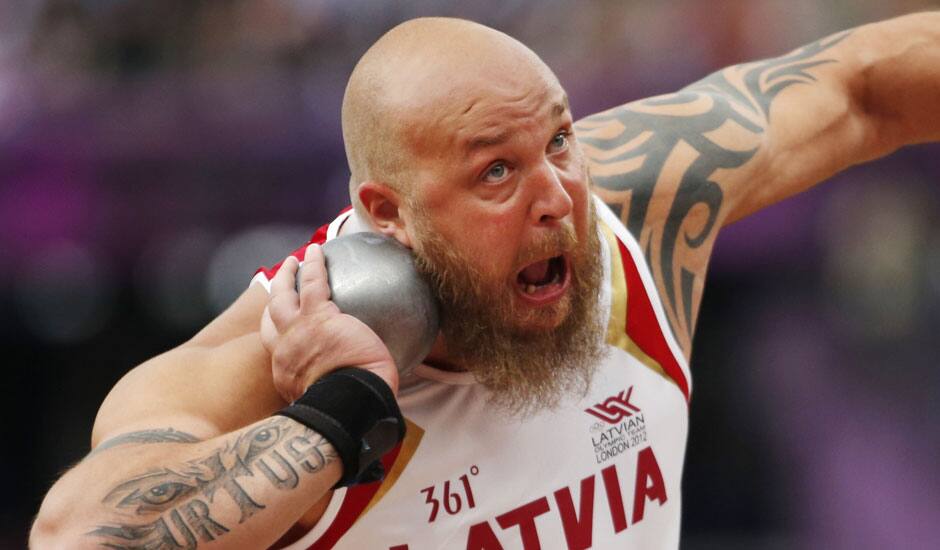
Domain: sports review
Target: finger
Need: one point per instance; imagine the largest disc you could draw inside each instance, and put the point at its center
(284, 303)
(314, 286)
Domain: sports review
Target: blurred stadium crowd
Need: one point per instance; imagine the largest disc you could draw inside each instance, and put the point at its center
(153, 154)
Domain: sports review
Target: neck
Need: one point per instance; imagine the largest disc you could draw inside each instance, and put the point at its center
(439, 359)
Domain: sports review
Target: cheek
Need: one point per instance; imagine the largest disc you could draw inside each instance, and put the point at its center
(494, 248)
(483, 232)
(489, 242)
(578, 188)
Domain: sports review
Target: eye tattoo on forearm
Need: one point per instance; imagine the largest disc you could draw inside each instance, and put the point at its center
(687, 138)
(182, 496)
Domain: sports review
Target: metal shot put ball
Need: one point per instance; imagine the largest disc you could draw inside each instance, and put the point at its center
(373, 278)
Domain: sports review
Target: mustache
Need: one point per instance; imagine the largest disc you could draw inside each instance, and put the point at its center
(548, 245)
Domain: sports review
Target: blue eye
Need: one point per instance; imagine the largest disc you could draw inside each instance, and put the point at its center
(496, 172)
(559, 141)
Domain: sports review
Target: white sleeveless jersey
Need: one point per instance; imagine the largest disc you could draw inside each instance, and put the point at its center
(602, 471)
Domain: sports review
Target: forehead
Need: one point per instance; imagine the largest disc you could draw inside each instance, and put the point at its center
(481, 110)
(488, 123)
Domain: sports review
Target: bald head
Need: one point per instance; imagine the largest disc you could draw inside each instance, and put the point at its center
(417, 76)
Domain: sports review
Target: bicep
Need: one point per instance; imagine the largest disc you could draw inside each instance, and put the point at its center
(842, 100)
(815, 121)
(760, 131)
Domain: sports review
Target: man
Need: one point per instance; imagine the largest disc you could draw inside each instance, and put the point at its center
(570, 261)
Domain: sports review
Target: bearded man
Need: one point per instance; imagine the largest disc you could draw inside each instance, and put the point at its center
(570, 261)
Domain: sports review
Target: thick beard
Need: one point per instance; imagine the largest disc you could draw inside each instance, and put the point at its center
(526, 369)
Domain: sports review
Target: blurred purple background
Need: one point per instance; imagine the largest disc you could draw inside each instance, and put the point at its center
(152, 154)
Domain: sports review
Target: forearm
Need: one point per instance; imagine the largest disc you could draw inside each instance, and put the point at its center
(240, 490)
(898, 86)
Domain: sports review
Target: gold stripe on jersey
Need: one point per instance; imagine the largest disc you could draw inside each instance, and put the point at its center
(617, 327)
(409, 445)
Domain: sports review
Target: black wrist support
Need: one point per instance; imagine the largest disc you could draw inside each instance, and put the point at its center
(355, 411)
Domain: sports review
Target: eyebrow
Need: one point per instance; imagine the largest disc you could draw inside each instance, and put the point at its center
(482, 142)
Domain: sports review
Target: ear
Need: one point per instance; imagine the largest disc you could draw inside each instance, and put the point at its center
(383, 204)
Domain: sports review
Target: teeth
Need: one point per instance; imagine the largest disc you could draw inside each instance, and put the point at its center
(529, 289)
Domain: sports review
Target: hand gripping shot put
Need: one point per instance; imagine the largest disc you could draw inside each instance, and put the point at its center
(373, 278)
(376, 282)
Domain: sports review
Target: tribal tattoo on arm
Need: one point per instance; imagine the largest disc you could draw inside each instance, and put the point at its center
(662, 164)
(172, 507)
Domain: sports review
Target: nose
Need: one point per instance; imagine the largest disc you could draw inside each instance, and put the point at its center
(551, 201)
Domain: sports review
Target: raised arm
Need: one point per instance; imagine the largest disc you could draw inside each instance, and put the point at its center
(678, 167)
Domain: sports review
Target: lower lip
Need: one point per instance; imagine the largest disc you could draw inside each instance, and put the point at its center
(547, 296)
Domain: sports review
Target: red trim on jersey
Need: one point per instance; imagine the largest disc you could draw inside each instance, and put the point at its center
(354, 503)
(319, 237)
(642, 325)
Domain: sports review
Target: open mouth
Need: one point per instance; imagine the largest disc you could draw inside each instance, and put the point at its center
(543, 281)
